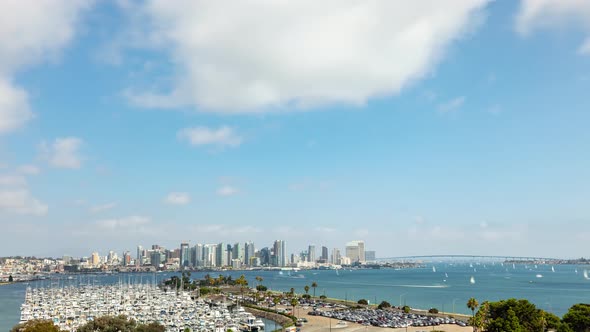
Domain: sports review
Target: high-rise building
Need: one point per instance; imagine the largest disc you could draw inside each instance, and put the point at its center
(264, 255)
(248, 252)
(156, 258)
(324, 257)
(355, 250)
(95, 259)
(280, 253)
(126, 258)
(370, 256)
(221, 255)
(238, 252)
(311, 253)
(139, 257)
(185, 255)
(335, 256)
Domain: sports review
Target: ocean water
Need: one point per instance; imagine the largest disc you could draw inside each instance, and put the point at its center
(447, 289)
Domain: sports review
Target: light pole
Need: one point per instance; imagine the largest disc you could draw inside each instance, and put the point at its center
(454, 305)
(400, 299)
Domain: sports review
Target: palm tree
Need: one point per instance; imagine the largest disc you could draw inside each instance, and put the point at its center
(314, 285)
(292, 291)
(294, 303)
(259, 279)
(306, 288)
(243, 283)
(472, 304)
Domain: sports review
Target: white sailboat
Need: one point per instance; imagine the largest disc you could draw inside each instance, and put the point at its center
(472, 280)
(586, 275)
(446, 275)
(552, 269)
(433, 268)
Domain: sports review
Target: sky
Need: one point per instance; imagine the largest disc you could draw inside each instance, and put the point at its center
(423, 127)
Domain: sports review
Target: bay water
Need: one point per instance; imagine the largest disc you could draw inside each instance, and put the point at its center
(445, 286)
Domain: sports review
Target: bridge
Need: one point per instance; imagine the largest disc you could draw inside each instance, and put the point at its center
(468, 257)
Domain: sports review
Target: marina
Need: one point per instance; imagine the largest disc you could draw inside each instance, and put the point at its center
(73, 306)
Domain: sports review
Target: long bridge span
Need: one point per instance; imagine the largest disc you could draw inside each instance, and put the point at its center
(469, 257)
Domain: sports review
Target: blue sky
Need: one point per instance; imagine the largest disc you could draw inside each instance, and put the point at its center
(420, 128)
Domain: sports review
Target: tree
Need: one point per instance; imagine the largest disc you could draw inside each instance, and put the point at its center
(259, 279)
(406, 309)
(513, 315)
(314, 285)
(472, 304)
(294, 303)
(36, 325)
(363, 302)
(384, 305)
(10, 278)
(306, 289)
(119, 324)
(242, 282)
(433, 311)
(578, 317)
(276, 300)
(292, 291)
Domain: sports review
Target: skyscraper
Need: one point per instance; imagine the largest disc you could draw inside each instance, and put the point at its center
(355, 250)
(311, 253)
(280, 252)
(335, 256)
(248, 252)
(139, 260)
(324, 257)
(185, 255)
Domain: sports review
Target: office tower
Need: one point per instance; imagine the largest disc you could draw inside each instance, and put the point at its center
(324, 257)
(126, 258)
(264, 255)
(280, 253)
(156, 258)
(139, 260)
(370, 256)
(248, 252)
(185, 255)
(355, 250)
(221, 255)
(238, 252)
(95, 259)
(335, 256)
(311, 253)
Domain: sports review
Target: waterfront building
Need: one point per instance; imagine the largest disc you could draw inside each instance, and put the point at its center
(238, 252)
(221, 255)
(95, 259)
(370, 256)
(324, 256)
(355, 250)
(126, 258)
(280, 253)
(185, 255)
(264, 255)
(311, 253)
(248, 251)
(139, 257)
(335, 256)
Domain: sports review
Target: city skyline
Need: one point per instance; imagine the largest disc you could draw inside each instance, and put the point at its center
(420, 127)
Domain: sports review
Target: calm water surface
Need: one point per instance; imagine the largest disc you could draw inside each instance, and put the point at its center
(447, 289)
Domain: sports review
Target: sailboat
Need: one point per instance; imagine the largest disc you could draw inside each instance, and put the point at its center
(513, 266)
(433, 268)
(586, 275)
(472, 280)
(552, 269)
(337, 272)
(446, 275)
(576, 271)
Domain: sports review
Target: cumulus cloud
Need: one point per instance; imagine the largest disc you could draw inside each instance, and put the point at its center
(102, 207)
(125, 223)
(227, 190)
(177, 198)
(223, 136)
(536, 14)
(20, 201)
(63, 152)
(12, 181)
(30, 34)
(263, 55)
(29, 170)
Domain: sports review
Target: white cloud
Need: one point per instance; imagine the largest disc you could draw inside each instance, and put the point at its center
(227, 191)
(223, 136)
(14, 108)
(12, 181)
(451, 105)
(21, 202)
(29, 170)
(102, 207)
(177, 198)
(63, 153)
(125, 223)
(252, 55)
(30, 34)
(535, 14)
